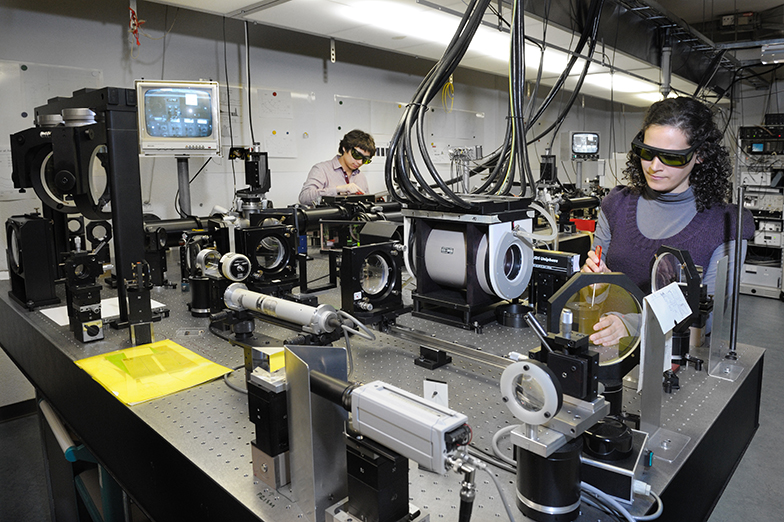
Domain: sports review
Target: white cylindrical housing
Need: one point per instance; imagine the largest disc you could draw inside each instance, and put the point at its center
(446, 257)
(322, 319)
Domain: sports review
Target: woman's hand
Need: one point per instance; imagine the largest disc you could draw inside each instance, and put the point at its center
(609, 331)
(594, 264)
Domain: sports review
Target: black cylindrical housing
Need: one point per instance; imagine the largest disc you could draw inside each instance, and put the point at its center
(175, 227)
(569, 204)
(201, 288)
(310, 218)
(613, 393)
(548, 489)
(386, 206)
(466, 506)
(332, 389)
(609, 440)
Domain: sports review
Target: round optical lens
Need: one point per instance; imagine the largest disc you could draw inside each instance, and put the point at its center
(270, 253)
(513, 260)
(375, 275)
(588, 307)
(529, 393)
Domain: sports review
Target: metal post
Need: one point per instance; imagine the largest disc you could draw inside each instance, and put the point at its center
(732, 354)
(184, 186)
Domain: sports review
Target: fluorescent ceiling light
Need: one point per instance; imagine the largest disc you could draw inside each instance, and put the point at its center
(428, 25)
(425, 25)
(554, 62)
(491, 43)
(400, 19)
(655, 96)
(652, 97)
(620, 82)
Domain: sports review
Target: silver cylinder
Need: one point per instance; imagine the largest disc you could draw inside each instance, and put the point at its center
(318, 320)
(446, 258)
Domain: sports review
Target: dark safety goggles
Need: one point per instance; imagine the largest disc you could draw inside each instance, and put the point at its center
(359, 156)
(671, 158)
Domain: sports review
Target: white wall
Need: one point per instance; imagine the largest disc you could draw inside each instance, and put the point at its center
(95, 37)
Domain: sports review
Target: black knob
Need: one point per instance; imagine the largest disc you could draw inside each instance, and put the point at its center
(92, 330)
(609, 439)
(64, 180)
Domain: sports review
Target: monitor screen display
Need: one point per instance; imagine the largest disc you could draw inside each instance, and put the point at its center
(585, 143)
(178, 112)
(178, 118)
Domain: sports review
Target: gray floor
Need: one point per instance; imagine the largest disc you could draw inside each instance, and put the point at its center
(755, 492)
(753, 495)
(23, 493)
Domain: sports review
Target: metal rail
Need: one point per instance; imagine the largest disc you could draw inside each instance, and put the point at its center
(467, 352)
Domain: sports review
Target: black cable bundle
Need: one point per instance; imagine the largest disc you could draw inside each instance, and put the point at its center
(590, 30)
(401, 163)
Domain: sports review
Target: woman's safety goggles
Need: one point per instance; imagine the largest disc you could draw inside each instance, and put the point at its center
(671, 158)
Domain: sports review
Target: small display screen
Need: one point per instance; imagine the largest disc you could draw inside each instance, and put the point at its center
(178, 112)
(585, 143)
(757, 147)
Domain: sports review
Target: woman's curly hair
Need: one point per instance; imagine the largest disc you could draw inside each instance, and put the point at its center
(710, 179)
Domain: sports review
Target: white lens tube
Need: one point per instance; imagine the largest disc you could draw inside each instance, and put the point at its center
(318, 320)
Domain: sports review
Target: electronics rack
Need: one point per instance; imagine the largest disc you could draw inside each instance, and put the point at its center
(760, 168)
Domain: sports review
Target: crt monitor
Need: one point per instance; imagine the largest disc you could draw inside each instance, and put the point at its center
(178, 118)
(585, 144)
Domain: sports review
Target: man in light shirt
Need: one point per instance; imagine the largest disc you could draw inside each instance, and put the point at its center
(340, 175)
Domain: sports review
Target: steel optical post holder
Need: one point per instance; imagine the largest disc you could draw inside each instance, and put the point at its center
(719, 365)
(548, 444)
(723, 361)
(732, 354)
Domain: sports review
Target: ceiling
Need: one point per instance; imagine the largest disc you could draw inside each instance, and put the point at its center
(699, 11)
(423, 27)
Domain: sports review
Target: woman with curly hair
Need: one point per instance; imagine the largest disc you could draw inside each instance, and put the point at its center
(678, 193)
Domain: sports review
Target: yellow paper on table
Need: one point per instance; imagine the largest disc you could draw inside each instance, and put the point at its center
(149, 371)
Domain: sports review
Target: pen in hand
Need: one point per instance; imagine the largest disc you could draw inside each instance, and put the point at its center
(599, 255)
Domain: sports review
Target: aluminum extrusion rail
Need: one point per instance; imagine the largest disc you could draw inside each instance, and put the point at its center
(424, 338)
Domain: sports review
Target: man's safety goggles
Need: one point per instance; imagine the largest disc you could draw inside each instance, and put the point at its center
(359, 156)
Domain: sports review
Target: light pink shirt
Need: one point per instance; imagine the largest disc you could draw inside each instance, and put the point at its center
(323, 179)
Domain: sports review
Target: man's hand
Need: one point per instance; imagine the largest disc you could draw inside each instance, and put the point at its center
(609, 331)
(350, 188)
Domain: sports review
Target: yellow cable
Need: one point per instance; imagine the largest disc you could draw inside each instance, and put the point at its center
(448, 93)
